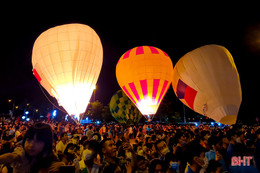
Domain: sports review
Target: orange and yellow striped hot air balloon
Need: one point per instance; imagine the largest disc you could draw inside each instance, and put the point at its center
(145, 74)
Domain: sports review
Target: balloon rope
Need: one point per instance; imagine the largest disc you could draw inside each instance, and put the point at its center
(50, 100)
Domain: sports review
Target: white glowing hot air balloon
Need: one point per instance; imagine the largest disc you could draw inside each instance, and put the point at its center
(67, 60)
(207, 81)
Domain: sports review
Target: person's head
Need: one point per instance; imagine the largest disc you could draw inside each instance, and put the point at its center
(205, 135)
(156, 166)
(257, 133)
(96, 136)
(140, 137)
(162, 147)
(180, 138)
(225, 140)
(64, 136)
(38, 140)
(91, 151)
(195, 154)
(141, 163)
(70, 148)
(232, 136)
(108, 148)
(148, 139)
(153, 138)
(83, 139)
(215, 143)
(214, 167)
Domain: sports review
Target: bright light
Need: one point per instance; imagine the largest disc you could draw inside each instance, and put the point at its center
(212, 123)
(196, 124)
(147, 106)
(66, 117)
(26, 112)
(23, 117)
(74, 97)
(219, 124)
(54, 113)
(27, 119)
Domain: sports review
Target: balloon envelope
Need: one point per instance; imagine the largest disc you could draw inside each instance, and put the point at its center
(123, 109)
(206, 80)
(145, 73)
(66, 61)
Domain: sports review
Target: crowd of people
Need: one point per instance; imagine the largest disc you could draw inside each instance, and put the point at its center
(149, 148)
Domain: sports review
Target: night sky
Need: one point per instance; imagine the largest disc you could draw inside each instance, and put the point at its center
(174, 29)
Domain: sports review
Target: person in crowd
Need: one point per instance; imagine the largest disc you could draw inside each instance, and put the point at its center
(74, 139)
(205, 134)
(156, 166)
(109, 154)
(215, 144)
(90, 158)
(96, 136)
(35, 154)
(195, 157)
(90, 132)
(214, 167)
(69, 154)
(60, 147)
(142, 164)
(162, 149)
(232, 137)
(17, 133)
(179, 147)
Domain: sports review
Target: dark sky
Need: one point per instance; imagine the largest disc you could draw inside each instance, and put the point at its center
(174, 29)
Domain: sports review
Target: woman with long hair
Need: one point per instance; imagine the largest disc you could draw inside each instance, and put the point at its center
(35, 154)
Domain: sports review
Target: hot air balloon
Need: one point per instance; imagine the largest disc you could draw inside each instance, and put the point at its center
(145, 73)
(207, 81)
(66, 61)
(123, 109)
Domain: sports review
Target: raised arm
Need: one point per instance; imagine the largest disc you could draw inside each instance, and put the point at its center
(8, 158)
